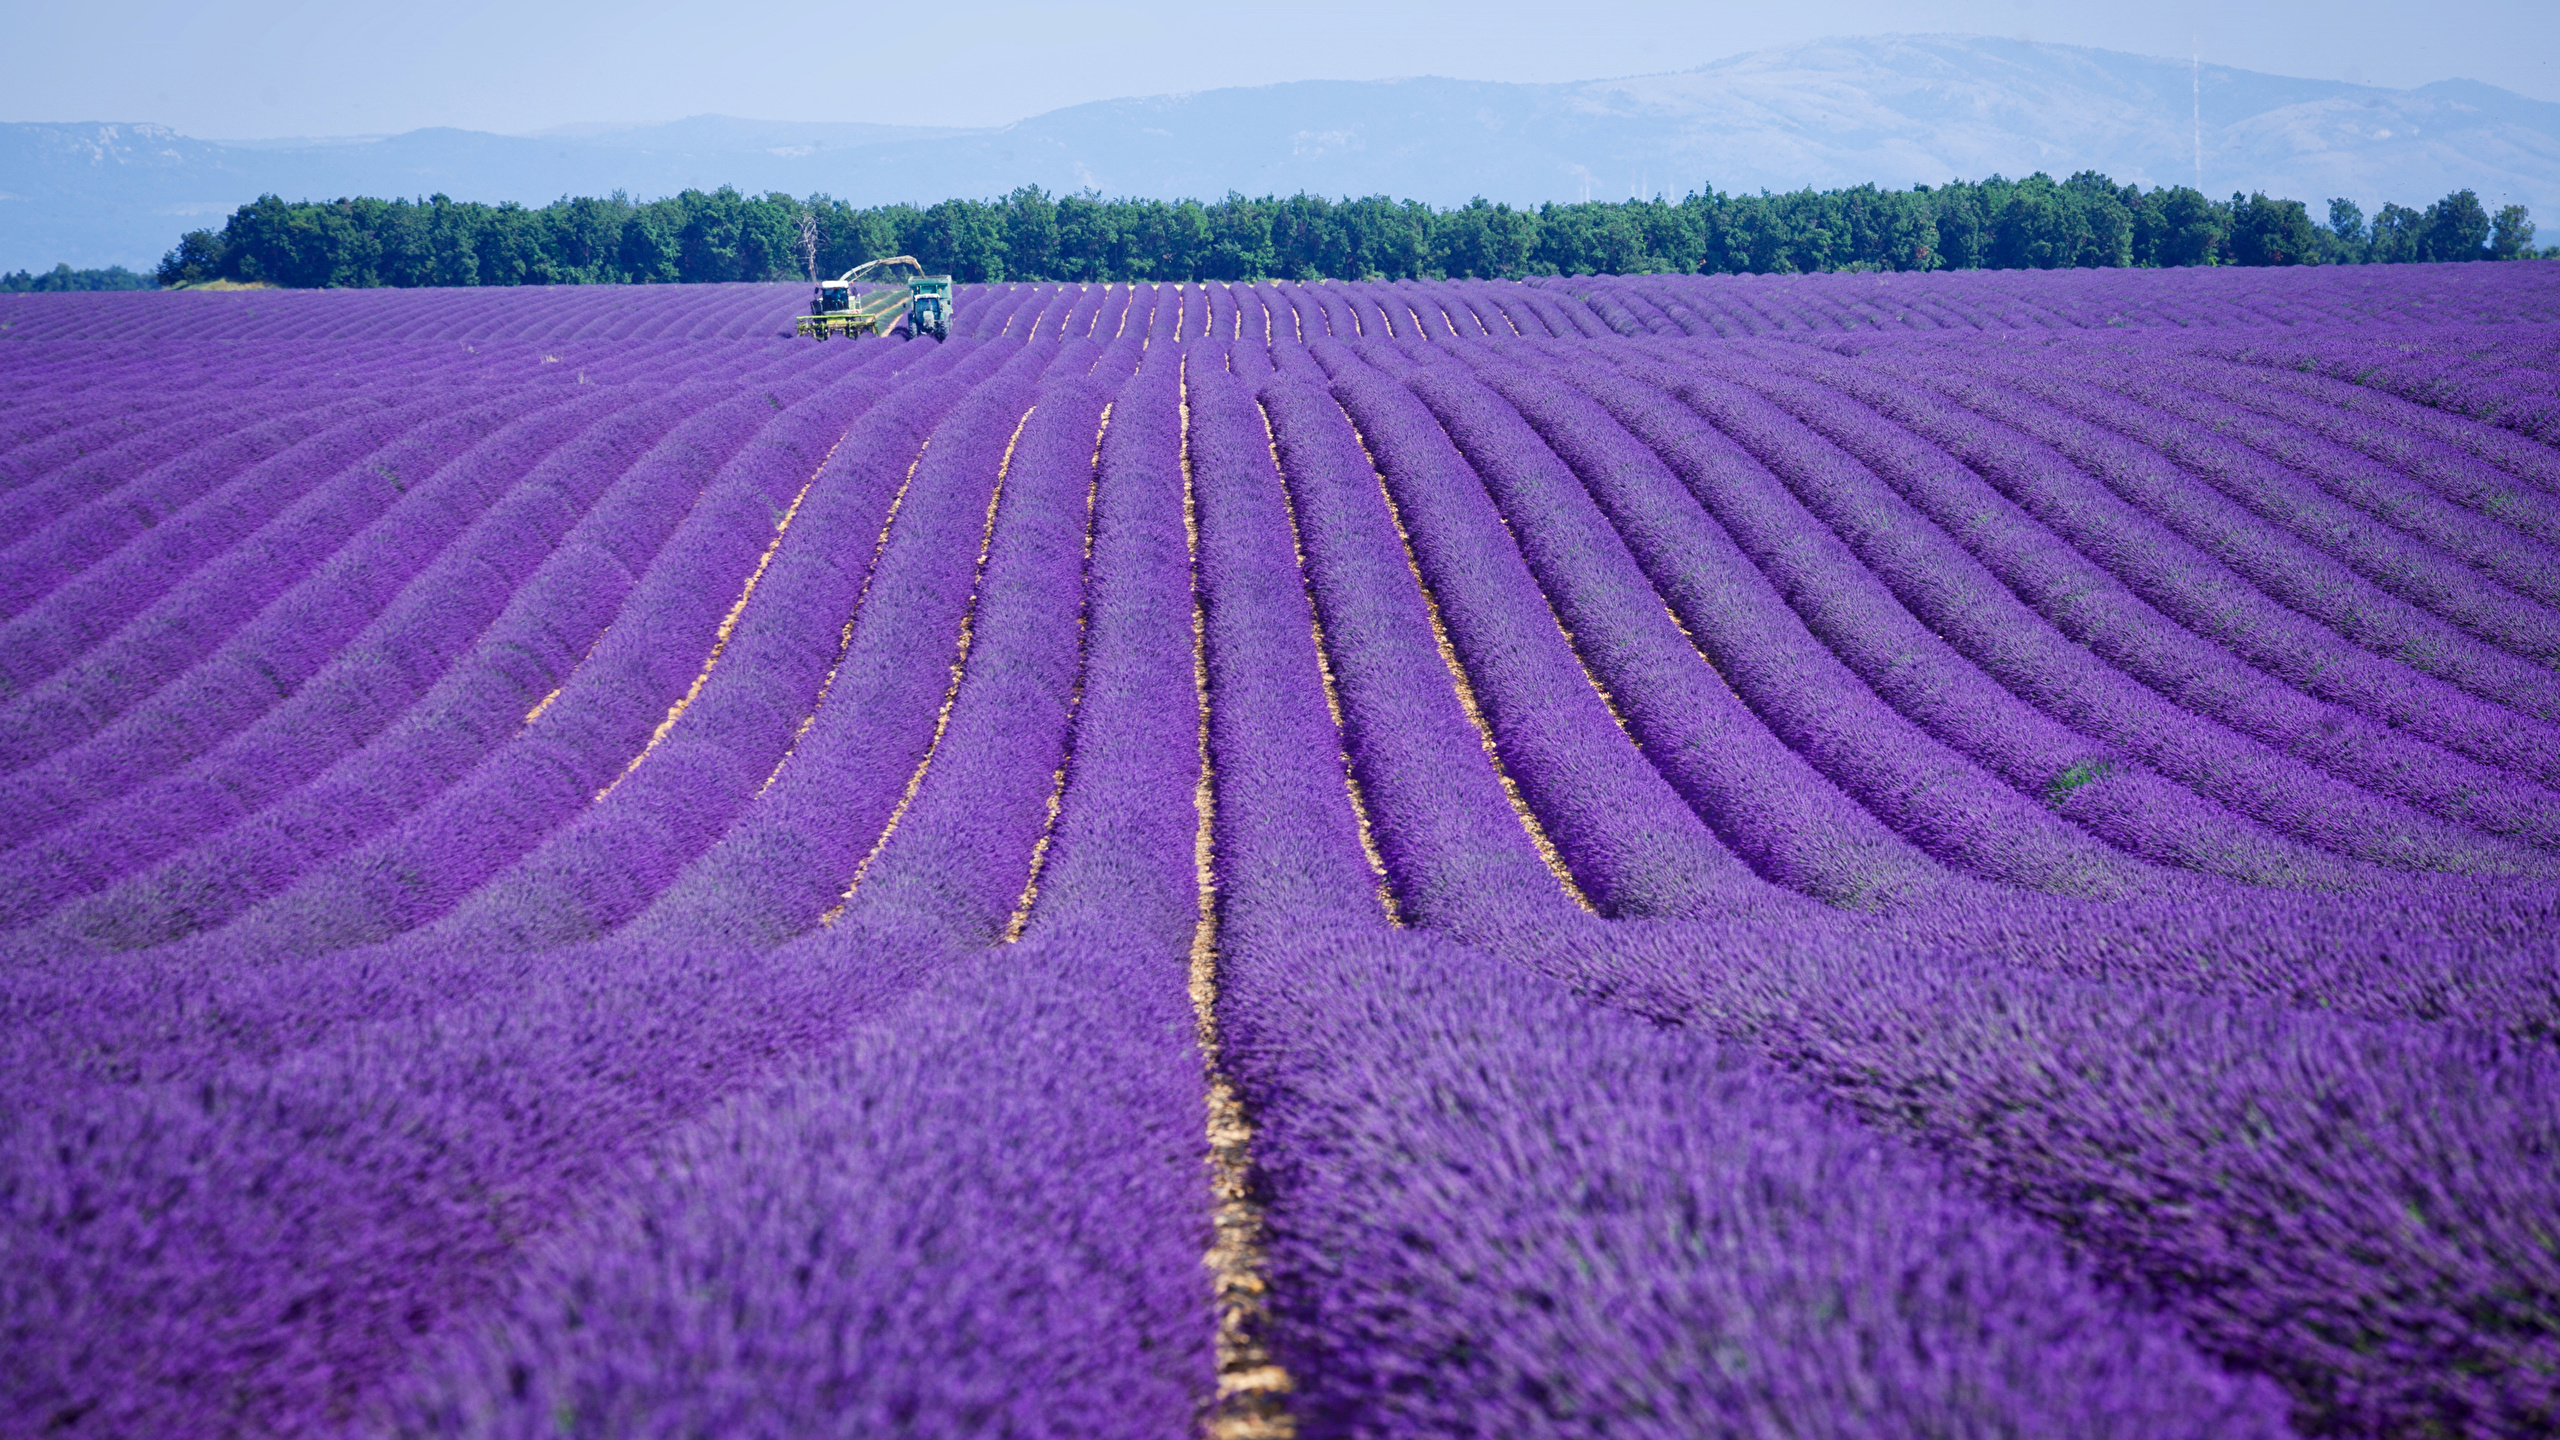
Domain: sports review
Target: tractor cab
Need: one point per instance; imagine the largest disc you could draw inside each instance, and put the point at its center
(930, 312)
(834, 298)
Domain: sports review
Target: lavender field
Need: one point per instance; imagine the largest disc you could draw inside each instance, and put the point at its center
(1846, 856)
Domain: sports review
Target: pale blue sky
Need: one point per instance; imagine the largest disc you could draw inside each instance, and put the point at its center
(263, 68)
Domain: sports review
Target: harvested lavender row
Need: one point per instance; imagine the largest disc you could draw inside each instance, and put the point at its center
(1853, 854)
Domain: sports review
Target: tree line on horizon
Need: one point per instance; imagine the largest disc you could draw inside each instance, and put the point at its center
(64, 278)
(722, 235)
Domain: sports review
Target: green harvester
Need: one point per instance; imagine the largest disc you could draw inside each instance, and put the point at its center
(900, 290)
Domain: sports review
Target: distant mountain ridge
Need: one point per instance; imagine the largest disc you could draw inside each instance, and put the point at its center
(1895, 110)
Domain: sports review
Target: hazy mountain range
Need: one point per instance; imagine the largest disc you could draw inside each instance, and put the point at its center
(1896, 110)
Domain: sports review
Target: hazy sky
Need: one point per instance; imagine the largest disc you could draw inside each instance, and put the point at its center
(260, 68)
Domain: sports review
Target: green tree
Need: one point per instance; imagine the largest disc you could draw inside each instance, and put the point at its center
(2039, 228)
(2457, 229)
(1088, 239)
(2511, 233)
(1484, 241)
(2272, 232)
(2037, 222)
(2178, 226)
(1240, 246)
(2347, 243)
(2399, 235)
(649, 252)
(197, 257)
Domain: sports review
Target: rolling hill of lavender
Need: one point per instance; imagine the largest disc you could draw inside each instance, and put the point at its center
(1837, 856)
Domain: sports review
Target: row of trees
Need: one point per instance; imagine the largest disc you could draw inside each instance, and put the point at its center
(2034, 223)
(63, 277)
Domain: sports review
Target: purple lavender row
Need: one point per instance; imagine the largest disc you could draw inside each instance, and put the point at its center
(190, 460)
(2354, 1208)
(2399, 470)
(566, 310)
(403, 776)
(1226, 322)
(254, 1248)
(1432, 1127)
(2188, 586)
(2492, 550)
(71, 608)
(1287, 834)
(2045, 588)
(997, 1181)
(1050, 1090)
(1457, 855)
(2273, 367)
(1119, 866)
(46, 439)
(69, 477)
(1496, 1210)
(236, 718)
(1043, 312)
(601, 868)
(1933, 672)
(1899, 549)
(2306, 521)
(1765, 801)
(790, 855)
(604, 716)
(142, 702)
(1642, 454)
(437, 1254)
(268, 1001)
(983, 1214)
(198, 611)
(2293, 574)
(958, 865)
(204, 633)
(1282, 316)
(2448, 371)
(1565, 315)
(257, 751)
(1627, 836)
(1077, 324)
